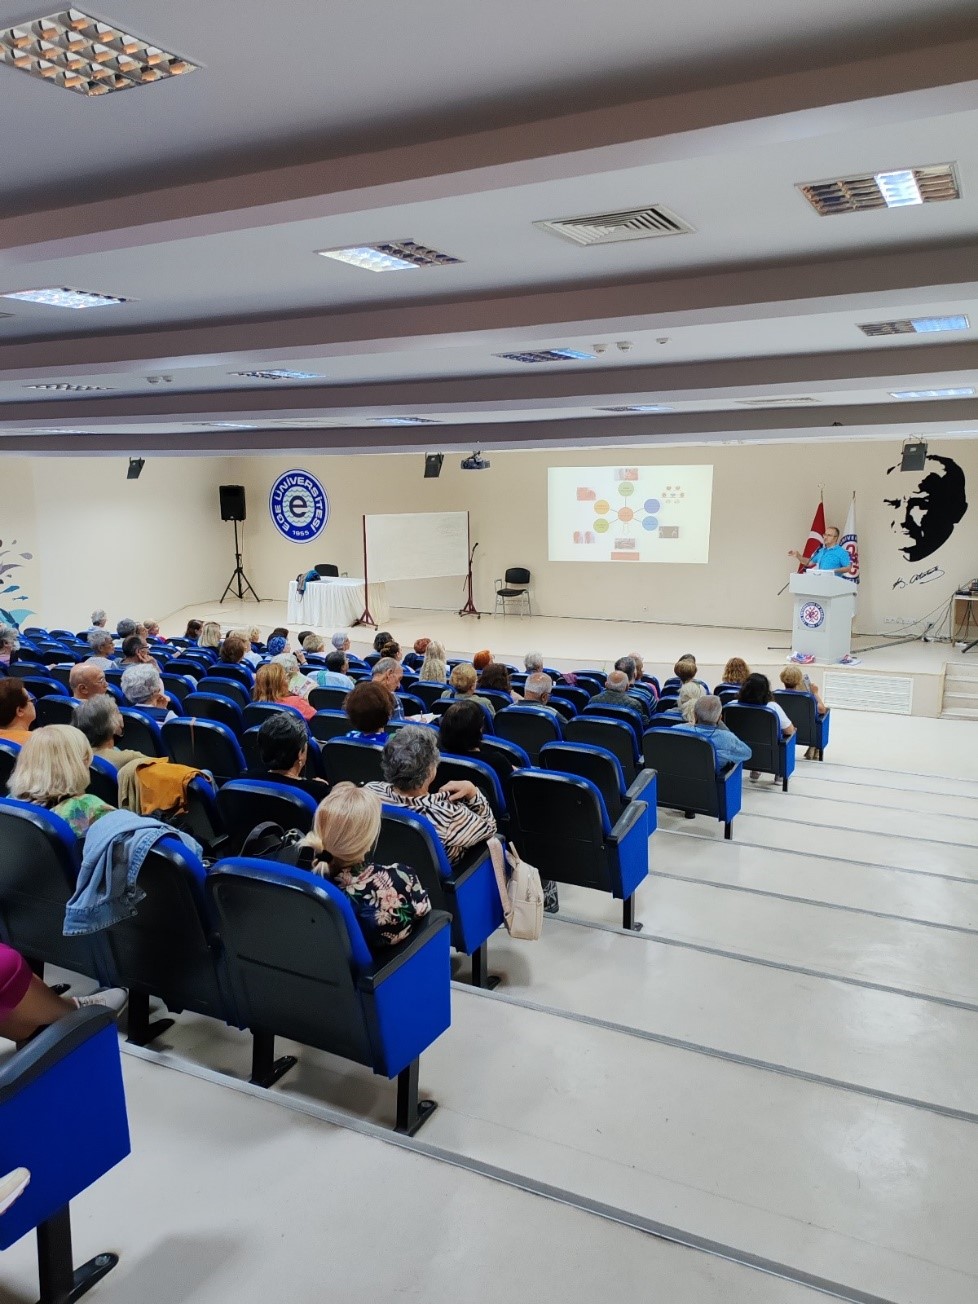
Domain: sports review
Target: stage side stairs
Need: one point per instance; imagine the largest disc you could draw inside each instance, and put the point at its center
(960, 701)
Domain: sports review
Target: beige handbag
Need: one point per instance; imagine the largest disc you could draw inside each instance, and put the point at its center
(520, 891)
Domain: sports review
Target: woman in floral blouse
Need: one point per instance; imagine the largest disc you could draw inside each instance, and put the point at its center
(387, 899)
(52, 770)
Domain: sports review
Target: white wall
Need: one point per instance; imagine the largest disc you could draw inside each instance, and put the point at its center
(764, 499)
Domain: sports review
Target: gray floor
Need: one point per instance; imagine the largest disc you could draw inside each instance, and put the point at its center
(779, 1068)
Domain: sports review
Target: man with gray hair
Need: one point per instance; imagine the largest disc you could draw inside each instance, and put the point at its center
(388, 672)
(615, 691)
(341, 641)
(143, 688)
(533, 661)
(125, 627)
(98, 621)
(536, 692)
(100, 641)
(727, 747)
(87, 680)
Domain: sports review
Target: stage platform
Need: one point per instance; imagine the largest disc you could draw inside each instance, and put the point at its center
(901, 679)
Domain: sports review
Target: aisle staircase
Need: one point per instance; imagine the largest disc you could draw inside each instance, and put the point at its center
(960, 700)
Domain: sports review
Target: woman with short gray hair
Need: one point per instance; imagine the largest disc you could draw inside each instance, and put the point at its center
(9, 643)
(100, 720)
(461, 815)
(143, 687)
(533, 661)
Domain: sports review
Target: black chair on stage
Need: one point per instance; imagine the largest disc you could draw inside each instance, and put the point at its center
(514, 588)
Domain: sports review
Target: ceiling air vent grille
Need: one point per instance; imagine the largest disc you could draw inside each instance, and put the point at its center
(897, 189)
(612, 228)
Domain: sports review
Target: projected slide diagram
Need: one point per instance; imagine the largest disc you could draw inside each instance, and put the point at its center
(630, 513)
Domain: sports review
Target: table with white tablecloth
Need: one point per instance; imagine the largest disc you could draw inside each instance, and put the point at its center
(333, 604)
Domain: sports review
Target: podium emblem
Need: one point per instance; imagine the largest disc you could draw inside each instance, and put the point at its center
(812, 615)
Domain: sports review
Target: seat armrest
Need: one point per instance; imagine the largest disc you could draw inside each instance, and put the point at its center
(728, 769)
(634, 813)
(640, 783)
(399, 955)
(471, 861)
(49, 1047)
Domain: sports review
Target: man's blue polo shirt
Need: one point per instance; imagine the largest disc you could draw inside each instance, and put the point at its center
(831, 558)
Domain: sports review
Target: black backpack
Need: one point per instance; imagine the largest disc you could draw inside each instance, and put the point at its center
(269, 841)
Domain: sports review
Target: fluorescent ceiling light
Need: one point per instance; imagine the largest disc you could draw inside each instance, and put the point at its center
(546, 355)
(402, 421)
(914, 325)
(640, 407)
(225, 425)
(278, 374)
(64, 387)
(79, 53)
(391, 256)
(897, 188)
(62, 297)
(933, 393)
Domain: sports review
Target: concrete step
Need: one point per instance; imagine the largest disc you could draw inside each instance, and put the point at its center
(960, 713)
(960, 683)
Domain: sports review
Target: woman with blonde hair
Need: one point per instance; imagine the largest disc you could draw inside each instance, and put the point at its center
(387, 899)
(272, 685)
(463, 680)
(796, 681)
(52, 770)
(433, 668)
(210, 635)
(689, 695)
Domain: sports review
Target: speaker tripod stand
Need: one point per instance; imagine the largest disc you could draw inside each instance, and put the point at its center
(239, 581)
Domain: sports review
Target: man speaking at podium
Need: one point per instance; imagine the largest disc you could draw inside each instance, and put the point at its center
(830, 557)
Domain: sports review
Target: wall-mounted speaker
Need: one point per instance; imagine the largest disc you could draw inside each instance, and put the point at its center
(914, 455)
(232, 502)
(432, 465)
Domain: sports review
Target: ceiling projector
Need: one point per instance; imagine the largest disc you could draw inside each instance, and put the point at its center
(475, 462)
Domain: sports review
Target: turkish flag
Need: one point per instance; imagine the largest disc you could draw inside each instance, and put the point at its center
(816, 535)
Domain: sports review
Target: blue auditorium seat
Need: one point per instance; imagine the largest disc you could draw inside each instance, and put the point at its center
(529, 727)
(54, 710)
(256, 713)
(215, 706)
(760, 729)
(237, 673)
(328, 699)
(802, 710)
(299, 968)
(604, 770)
(561, 825)
(245, 803)
(224, 687)
(141, 732)
(352, 760)
(325, 725)
(476, 771)
(616, 736)
(688, 779)
(206, 745)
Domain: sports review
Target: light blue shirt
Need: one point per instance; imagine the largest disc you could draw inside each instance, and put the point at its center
(332, 679)
(831, 558)
(727, 746)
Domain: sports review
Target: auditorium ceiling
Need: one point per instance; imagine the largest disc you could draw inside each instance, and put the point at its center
(707, 299)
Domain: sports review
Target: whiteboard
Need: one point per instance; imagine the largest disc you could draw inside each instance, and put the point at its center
(416, 545)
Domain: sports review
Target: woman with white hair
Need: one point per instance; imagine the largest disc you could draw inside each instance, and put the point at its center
(689, 695)
(210, 635)
(388, 900)
(142, 686)
(52, 770)
(433, 668)
(460, 813)
(300, 684)
(9, 643)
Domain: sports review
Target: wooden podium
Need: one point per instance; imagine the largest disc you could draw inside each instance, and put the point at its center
(825, 604)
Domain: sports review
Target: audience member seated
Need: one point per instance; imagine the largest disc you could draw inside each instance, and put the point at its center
(302, 635)
(685, 668)
(380, 638)
(734, 673)
(52, 771)
(537, 690)
(312, 643)
(390, 649)
(433, 668)
(340, 641)
(533, 663)
(143, 687)
(630, 667)
(494, 675)
(135, 652)
(460, 733)
(272, 685)
(209, 636)
(689, 695)
(100, 720)
(462, 681)
(103, 647)
(756, 691)
(387, 899)
(253, 652)
(706, 723)
(27, 1005)
(481, 660)
(615, 692)
(9, 643)
(370, 708)
(193, 631)
(17, 711)
(234, 650)
(283, 747)
(98, 621)
(796, 681)
(461, 815)
(421, 645)
(125, 627)
(388, 674)
(640, 675)
(336, 674)
(299, 682)
(152, 628)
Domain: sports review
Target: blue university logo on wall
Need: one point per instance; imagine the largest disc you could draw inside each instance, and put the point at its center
(299, 507)
(812, 615)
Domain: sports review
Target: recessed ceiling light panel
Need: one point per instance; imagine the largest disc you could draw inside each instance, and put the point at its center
(547, 355)
(915, 326)
(640, 407)
(932, 393)
(60, 296)
(62, 386)
(391, 256)
(403, 421)
(279, 373)
(79, 53)
(895, 189)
